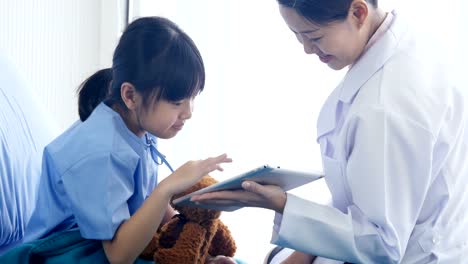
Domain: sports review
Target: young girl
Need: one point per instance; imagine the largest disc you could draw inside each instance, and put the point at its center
(394, 142)
(100, 175)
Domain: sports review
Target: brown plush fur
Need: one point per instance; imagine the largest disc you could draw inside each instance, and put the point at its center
(192, 235)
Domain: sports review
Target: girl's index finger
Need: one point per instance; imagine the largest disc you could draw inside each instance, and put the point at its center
(223, 158)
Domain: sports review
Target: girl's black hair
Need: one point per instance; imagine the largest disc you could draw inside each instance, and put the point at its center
(156, 57)
(322, 12)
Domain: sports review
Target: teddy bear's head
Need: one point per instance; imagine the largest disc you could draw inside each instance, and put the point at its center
(194, 213)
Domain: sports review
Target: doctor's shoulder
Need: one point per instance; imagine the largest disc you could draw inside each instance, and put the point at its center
(410, 86)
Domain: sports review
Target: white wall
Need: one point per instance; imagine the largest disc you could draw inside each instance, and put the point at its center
(57, 44)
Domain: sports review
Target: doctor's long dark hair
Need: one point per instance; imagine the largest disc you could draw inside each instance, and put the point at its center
(322, 12)
(156, 57)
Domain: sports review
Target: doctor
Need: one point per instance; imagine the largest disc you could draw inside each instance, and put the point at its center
(394, 144)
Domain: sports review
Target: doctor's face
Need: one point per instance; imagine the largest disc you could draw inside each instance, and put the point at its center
(338, 44)
(165, 119)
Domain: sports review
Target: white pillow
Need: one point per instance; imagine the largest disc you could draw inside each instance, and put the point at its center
(25, 129)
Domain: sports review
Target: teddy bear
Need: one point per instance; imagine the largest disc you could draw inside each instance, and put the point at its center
(191, 235)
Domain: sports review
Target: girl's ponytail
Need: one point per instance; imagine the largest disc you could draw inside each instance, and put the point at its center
(93, 91)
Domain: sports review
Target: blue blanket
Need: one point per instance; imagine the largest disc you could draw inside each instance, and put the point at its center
(63, 247)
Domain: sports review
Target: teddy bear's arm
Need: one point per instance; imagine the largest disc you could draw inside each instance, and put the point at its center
(223, 243)
(187, 247)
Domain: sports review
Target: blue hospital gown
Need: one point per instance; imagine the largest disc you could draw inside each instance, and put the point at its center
(96, 175)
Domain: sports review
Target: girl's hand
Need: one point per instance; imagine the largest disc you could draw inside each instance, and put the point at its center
(253, 195)
(191, 172)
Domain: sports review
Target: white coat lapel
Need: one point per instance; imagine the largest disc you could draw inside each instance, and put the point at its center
(357, 76)
(372, 60)
(327, 117)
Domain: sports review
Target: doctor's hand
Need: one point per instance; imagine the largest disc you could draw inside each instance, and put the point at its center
(191, 172)
(299, 258)
(219, 260)
(252, 195)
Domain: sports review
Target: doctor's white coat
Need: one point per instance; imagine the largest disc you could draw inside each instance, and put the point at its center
(394, 143)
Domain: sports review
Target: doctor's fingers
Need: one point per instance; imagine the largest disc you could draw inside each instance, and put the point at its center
(235, 195)
(267, 191)
(233, 198)
(253, 193)
(275, 196)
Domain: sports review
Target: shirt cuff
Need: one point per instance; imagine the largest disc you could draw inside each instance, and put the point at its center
(277, 223)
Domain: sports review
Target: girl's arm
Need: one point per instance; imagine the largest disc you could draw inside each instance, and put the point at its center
(133, 235)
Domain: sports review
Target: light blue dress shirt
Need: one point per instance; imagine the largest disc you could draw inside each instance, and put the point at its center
(95, 175)
(25, 128)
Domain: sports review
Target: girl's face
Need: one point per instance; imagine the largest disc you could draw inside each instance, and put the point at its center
(165, 119)
(338, 44)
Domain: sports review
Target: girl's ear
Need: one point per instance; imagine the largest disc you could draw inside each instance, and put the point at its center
(129, 95)
(359, 11)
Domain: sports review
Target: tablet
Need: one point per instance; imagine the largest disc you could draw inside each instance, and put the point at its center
(265, 175)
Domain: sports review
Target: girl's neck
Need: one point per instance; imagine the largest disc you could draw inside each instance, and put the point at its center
(129, 118)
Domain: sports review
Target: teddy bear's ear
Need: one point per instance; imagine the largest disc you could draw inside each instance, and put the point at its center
(207, 181)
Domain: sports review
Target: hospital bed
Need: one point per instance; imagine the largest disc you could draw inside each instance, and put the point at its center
(25, 128)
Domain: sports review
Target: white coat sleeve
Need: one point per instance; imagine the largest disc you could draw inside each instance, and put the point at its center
(388, 172)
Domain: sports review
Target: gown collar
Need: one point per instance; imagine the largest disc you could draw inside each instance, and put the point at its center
(139, 144)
